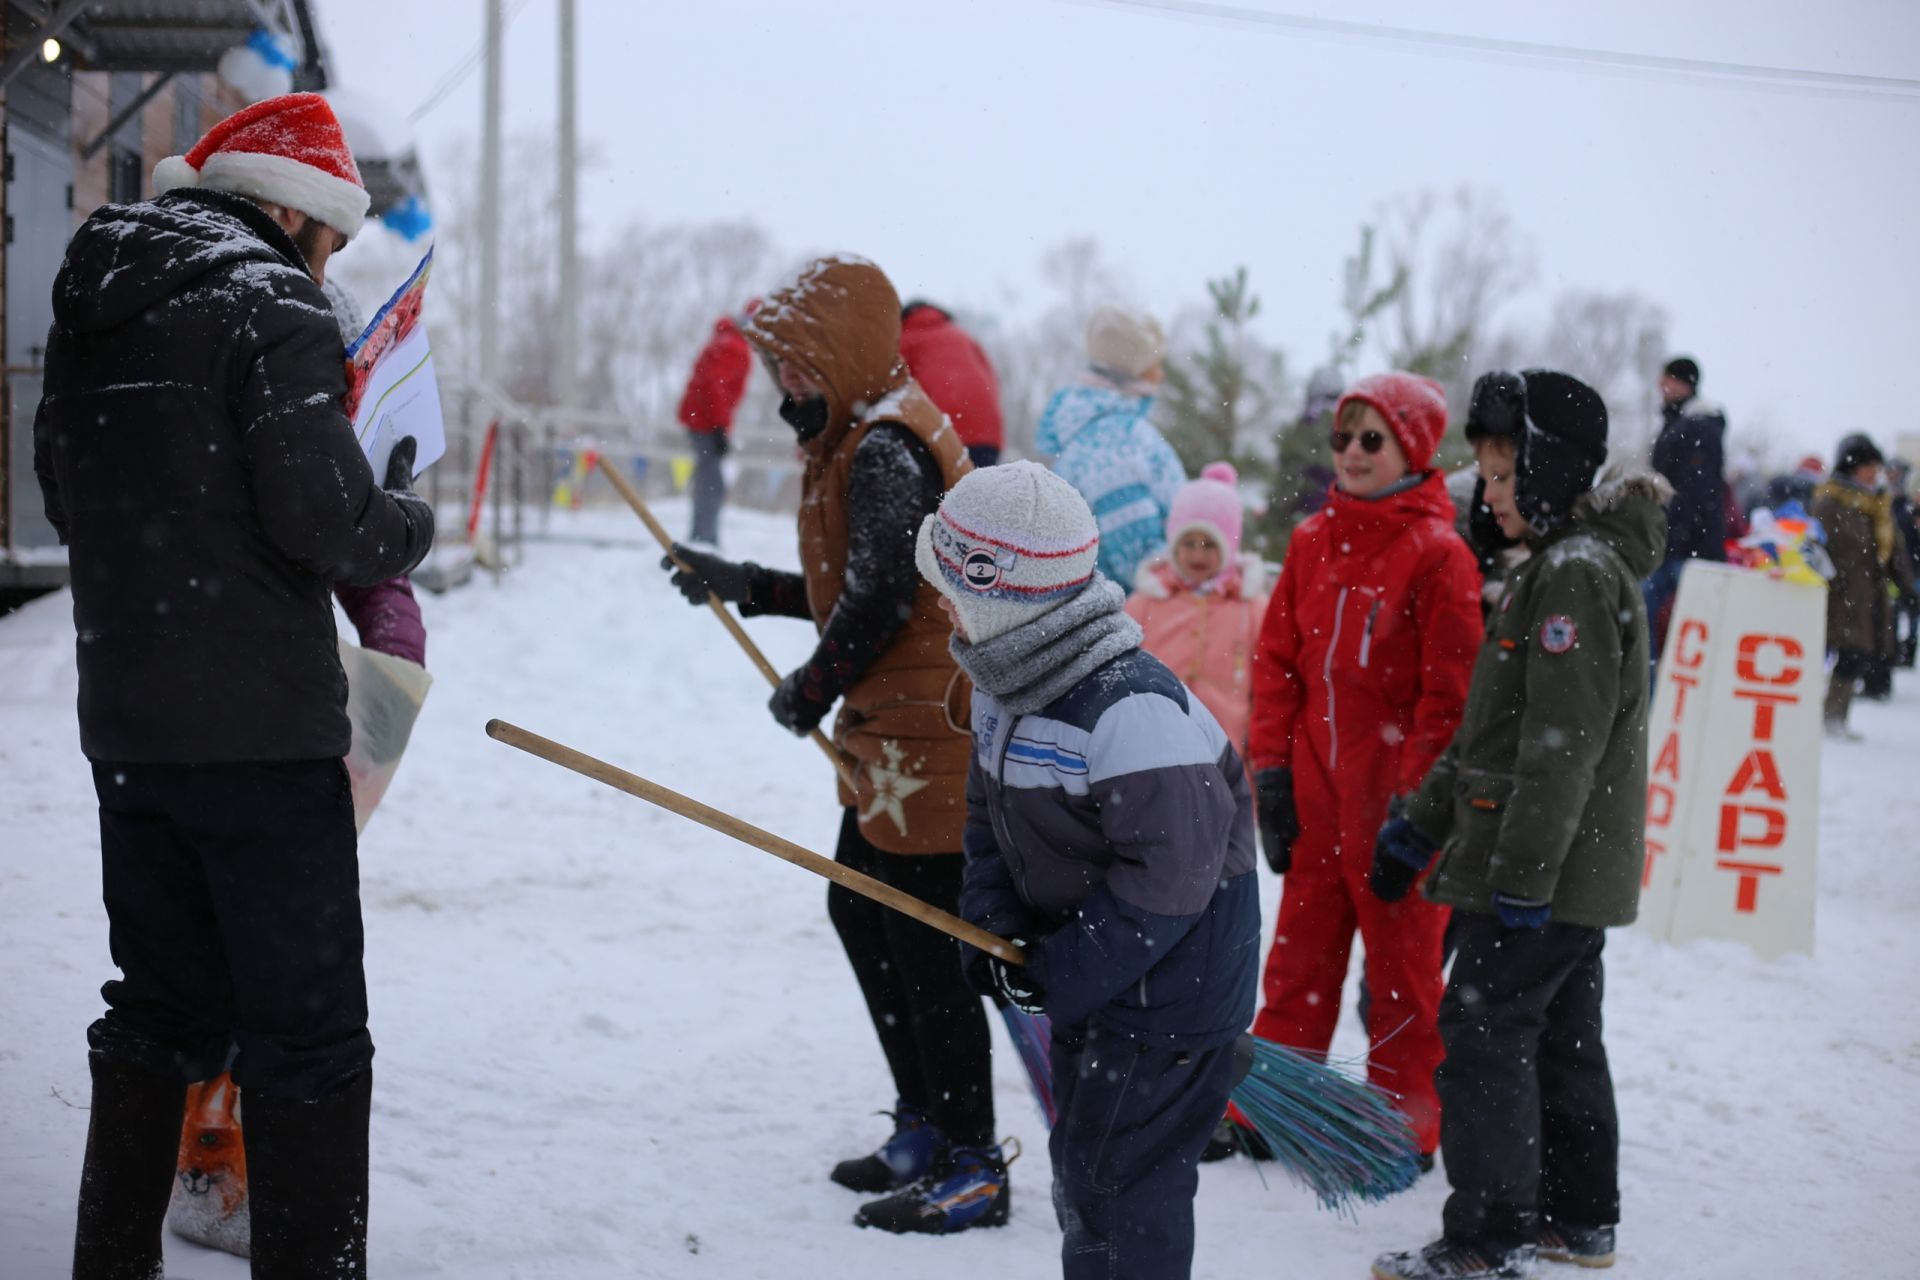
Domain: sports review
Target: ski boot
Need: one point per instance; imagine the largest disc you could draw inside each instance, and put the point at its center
(1582, 1246)
(1448, 1260)
(967, 1187)
(901, 1159)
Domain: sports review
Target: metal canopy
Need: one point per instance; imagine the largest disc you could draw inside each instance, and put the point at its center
(182, 35)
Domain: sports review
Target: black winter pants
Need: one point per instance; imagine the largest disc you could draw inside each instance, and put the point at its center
(1527, 1122)
(1134, 1117)
(930, 1023)
(233, 910)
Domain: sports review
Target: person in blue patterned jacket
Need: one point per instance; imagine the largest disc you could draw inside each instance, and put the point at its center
(1109, 830)
(1101, 443)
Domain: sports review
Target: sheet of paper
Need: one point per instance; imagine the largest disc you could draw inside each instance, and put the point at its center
(391, 391)
(401, 398)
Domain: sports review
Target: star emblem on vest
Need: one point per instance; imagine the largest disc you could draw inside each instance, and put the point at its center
(892, 784)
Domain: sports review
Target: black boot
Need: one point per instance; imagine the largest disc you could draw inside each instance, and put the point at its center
(133, 1147)
(307, 1184)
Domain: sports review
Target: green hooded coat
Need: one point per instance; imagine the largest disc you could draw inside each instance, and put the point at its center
(1542, 793)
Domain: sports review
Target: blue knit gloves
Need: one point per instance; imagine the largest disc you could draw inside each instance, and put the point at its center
(1520, 913)
(1400, 854)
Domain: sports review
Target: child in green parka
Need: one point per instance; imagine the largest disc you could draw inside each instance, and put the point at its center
(1537, 811)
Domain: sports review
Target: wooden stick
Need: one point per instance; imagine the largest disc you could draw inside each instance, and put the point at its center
(746, 833)
(720, 611)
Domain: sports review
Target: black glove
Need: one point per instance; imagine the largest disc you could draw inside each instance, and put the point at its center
(1279, 824)
(704, 573)
(419, 512)
(1400, 854)
(797, 712)
(722, 444)
(1017, 985)
(400, 466)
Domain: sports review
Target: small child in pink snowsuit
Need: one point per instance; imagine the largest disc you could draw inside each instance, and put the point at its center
(1200, 602)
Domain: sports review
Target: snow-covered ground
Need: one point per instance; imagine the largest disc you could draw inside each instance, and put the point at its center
(612, 1044)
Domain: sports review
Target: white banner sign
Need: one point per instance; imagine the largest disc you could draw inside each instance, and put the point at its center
(1733, 786)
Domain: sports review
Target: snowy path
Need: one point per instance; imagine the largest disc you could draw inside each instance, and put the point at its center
(613, 1045)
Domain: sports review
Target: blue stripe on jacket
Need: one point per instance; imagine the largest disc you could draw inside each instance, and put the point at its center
(1128, 865)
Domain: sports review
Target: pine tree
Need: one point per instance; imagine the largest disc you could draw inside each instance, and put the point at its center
(1221, 401)
(1302, 467)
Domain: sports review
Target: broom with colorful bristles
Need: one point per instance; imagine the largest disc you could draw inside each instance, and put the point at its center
(1338, 1135)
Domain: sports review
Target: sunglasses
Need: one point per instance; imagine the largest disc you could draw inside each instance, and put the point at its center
(1370, 441)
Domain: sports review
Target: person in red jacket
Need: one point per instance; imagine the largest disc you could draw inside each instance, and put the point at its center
(714, 389)
(956, 375)
(1359, 681)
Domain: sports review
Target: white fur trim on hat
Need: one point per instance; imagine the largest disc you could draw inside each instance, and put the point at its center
(337, 202)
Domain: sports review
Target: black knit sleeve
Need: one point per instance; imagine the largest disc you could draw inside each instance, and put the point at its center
(777, 593)
(893, 484)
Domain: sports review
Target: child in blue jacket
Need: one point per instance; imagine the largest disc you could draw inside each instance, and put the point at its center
(1110, 830)
(1098, 434)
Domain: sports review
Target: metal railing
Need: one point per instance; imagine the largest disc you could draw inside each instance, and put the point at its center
(536, 452)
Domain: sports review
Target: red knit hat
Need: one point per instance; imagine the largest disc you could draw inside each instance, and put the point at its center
(1415, 409)
(287, 150)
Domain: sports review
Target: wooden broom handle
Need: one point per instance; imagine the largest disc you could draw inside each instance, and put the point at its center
(719, 608)
(747, 833)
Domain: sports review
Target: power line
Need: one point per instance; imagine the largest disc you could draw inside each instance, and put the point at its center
(1791, 79)
(453, 79)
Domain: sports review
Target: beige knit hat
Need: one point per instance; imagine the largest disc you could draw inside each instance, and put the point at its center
(1124, 344)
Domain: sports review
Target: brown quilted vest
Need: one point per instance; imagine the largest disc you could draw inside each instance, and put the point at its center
(903, 726)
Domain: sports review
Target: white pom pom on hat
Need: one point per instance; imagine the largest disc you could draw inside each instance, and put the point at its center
(173, 173)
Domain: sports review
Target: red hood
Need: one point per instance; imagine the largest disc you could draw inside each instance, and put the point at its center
(925, 320)
(1363, 524)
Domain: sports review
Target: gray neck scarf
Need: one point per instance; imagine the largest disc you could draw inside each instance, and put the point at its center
(1028, 667)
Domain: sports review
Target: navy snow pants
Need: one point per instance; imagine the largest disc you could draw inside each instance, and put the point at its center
(1134, 1117)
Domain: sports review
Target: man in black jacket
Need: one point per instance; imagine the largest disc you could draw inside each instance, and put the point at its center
(1690, 452)
(196, 460)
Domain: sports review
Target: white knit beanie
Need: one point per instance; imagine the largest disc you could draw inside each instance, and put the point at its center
(1124, 344)
(1007, 544)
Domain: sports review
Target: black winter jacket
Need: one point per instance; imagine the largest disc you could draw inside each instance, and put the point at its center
(195, 457)
(1691, 453)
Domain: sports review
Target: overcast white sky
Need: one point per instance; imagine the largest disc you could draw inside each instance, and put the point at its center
(953, 142)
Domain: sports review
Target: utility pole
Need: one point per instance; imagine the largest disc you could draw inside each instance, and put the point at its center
(489, 371)
(567, 383)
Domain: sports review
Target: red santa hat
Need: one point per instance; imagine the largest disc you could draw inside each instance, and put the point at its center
(287, 150)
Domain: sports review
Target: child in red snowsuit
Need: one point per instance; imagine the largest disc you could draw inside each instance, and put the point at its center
(1359, 681)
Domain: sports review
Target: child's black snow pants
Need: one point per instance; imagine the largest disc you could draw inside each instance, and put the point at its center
(1135, 1114)
(930, 1023)
(1527, 1121)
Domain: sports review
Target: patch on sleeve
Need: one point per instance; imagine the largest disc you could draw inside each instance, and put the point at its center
(1558, 634)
